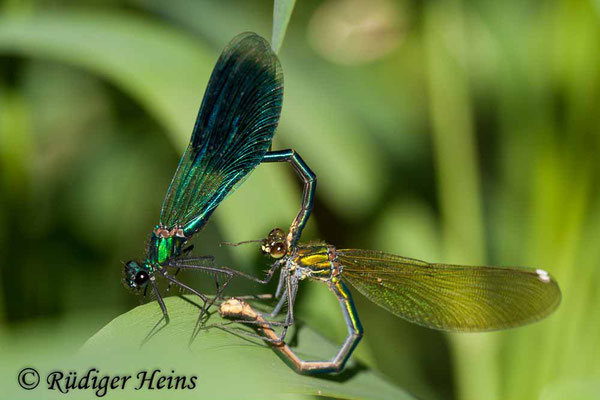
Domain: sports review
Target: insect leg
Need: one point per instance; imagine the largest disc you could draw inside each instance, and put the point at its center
(184, 263)
(185, 251)
(291, 285)
(144, 294)
(165, 316)
(280, 285)
(186, 287)
(291, 291)
(278, 307)
(160, 300)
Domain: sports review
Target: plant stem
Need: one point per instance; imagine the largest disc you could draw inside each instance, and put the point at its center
(475, 359)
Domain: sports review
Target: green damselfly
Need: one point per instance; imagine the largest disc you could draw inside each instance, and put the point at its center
(452, 298)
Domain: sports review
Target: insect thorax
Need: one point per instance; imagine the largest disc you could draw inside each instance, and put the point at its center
(165, 244)
(316, 262)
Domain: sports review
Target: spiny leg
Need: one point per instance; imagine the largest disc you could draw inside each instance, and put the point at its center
(288, 322)
(163, 307)
(241, 332)
(291, 286)
(280, 285)
(186, 263)
(278, 307)
(210, 303)
(171, 283)
(291, 291)
(192, 290)
(280, 303)
(238, 311)
(210, 259)
(160, 300)
(278, 292)
(263, 281)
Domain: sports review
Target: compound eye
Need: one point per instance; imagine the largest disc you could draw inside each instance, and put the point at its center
(278, 250)
(276, 233)
(141, 278)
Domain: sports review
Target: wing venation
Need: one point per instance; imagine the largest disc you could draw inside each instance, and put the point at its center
(451, 297)
(233, 131)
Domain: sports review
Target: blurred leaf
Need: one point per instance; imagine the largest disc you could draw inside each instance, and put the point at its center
(217, 356)
(575, 389)
(282, 12)
(409, 228)
(162, 69)
(16, 144)
(475, 355)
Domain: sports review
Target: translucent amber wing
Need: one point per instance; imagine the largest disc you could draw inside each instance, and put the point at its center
(451, 297)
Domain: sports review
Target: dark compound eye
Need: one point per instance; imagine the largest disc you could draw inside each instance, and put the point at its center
(141, 278)
(278, 250)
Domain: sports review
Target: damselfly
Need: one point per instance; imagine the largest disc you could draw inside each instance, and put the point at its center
(451, 298)
(231, 136)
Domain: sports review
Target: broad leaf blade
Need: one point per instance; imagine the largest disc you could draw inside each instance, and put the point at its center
(218, 357)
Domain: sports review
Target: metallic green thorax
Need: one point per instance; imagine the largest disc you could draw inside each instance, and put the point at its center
(165, 244)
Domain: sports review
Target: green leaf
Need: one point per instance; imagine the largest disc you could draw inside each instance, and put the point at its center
(453, 137)
(166, 72)
(227, 365)
(282, 12)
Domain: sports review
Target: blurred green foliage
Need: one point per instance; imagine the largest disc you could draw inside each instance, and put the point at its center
(451, 131)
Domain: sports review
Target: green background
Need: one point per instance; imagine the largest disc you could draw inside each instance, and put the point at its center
(451, 131)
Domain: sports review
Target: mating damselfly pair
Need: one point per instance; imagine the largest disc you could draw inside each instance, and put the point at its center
(232, 135)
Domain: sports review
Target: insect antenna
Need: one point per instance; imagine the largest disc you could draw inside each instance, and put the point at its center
(236, 244)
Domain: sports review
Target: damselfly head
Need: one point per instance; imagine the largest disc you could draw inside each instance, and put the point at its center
(275, 244)
(137, 275)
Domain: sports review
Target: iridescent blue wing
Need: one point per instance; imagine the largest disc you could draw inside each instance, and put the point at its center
(451, 297)
(233, 131)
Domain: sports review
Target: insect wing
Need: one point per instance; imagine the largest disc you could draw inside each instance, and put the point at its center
(451, 297)
(232, 133)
